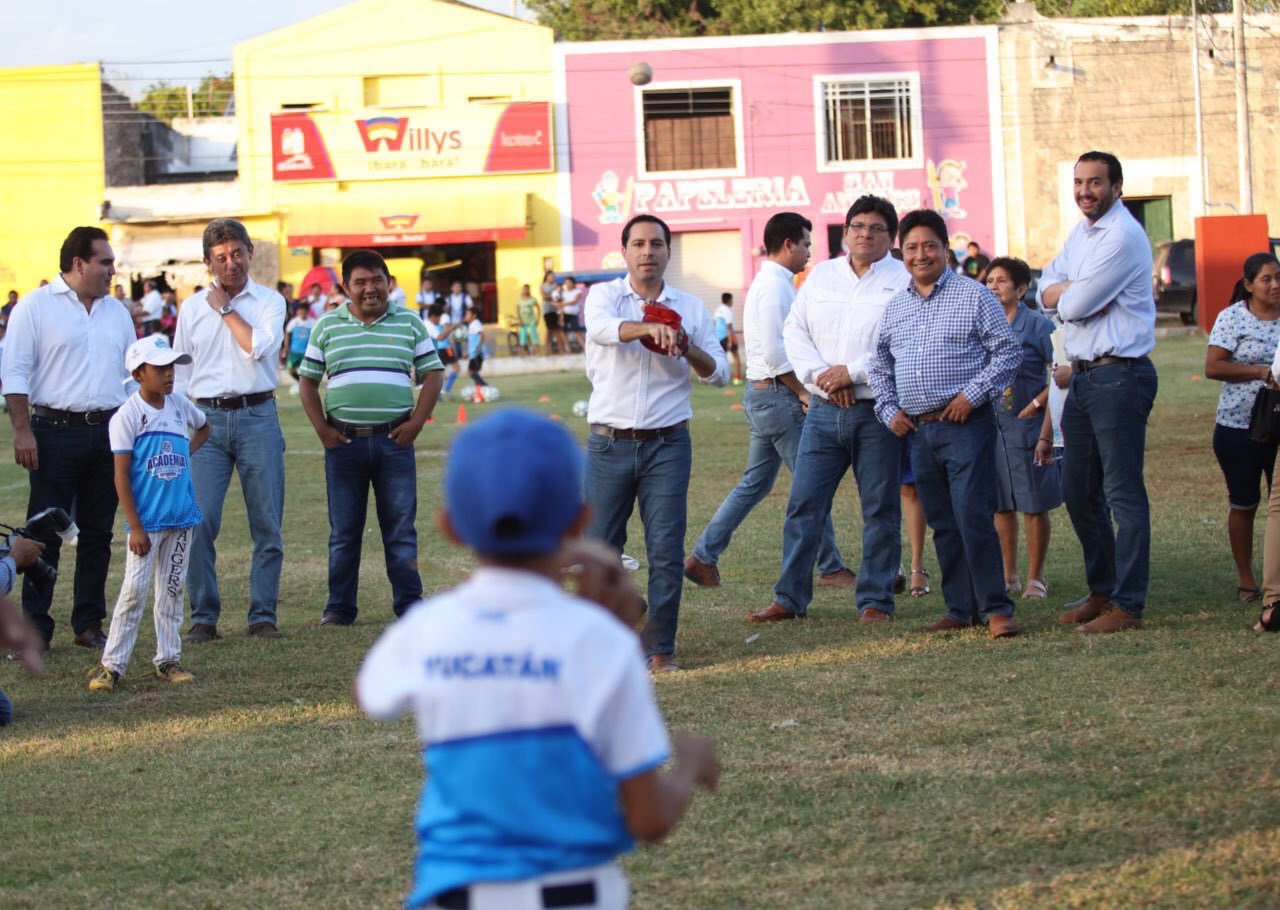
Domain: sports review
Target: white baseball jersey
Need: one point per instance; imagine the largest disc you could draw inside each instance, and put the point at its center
(160, 474)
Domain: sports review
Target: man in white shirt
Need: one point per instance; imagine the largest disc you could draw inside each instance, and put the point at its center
(830, 338)
(396, 296)
(458, 302)
(232, 330)
(1101, 286)
(774, 403)
(152, 305)
(643, 338)
(64, 359)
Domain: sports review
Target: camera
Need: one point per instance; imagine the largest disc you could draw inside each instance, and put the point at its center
(52, 521)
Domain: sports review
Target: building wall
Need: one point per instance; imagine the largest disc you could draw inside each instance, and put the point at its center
(430, 63)
(780, 125)
(1126, 86)
(51, 166)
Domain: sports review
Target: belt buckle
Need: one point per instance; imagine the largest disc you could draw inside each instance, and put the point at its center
(89, 418)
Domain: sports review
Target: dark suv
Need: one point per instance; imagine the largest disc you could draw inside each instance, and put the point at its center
(1173, 279)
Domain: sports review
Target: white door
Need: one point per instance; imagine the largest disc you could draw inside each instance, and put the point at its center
(706, 264)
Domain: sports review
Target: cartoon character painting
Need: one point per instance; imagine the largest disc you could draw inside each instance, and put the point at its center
(614, 205)
(946, 180)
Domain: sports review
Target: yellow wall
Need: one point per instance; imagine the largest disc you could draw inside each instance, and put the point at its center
(52, 176)
(445, 53)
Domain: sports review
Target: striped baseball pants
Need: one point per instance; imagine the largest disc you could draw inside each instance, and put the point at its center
(168, 556)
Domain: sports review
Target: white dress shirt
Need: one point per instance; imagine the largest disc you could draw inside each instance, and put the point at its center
(632, 388)
(62, 356)
(1109, 310)
(397, 297)
(764, 311)
(220, 366)
(836, 317)
(152, 304)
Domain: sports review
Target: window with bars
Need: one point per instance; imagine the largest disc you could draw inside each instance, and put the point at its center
(870, 119)
(689, 129)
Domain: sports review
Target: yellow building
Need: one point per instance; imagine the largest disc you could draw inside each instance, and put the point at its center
(51, 166)
(419, 128)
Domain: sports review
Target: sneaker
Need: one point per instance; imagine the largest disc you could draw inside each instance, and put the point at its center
(265, 630)
(103, 680)
(173, 672)
(201, 632)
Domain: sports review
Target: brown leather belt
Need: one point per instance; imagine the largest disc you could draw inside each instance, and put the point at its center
(89, 418)
(1084, 366)
(637, 435)
(927, 417)
(234, 402)
(766, 384)
(363, 430)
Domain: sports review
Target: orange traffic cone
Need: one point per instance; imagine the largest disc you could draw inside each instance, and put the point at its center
(462, 413)
(478, 397)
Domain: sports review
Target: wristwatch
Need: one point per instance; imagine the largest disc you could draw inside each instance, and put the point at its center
(226, 309)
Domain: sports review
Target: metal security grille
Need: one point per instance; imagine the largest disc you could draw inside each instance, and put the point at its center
(868, 120)
(689, 130)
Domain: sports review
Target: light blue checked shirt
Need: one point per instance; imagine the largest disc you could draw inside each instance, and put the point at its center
(956, 340)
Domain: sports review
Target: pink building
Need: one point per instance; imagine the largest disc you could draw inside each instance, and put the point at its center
(731, 130)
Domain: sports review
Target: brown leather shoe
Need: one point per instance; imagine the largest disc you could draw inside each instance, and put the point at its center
(701, 574)
(1086, 609)
(841, 578)
(92, 637)
(1002, 627)
(871, 616)
(661, 663)
(775, 612)
(265, 630)
(946, 624)
(1112, 619)
(200, 633)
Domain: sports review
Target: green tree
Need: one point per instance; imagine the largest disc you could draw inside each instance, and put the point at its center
(165, 102)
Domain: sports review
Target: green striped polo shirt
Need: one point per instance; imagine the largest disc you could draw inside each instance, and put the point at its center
(370, 367)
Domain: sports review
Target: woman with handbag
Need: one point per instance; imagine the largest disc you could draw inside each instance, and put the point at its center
(1242, 347)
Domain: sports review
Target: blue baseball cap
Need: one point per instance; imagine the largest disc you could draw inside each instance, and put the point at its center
(513, 484)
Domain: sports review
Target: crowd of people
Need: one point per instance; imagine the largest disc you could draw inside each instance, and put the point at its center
(953, 402)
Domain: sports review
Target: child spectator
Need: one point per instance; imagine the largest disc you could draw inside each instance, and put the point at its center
(529, 311)
(727, 336)
(542, 736)
(153, 481)
(439, 332)
(296, 334)
(475, 349)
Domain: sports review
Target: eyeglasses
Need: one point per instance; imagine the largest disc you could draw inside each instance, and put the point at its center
(858, 227)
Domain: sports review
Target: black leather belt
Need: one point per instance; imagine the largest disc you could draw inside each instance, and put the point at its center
(90, 418)
(927, 417)
(576, 894)
(637, 435)
(234, 402)
(363, 430)
(1084, 366)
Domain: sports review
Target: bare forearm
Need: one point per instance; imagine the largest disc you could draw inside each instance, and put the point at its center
(703, 363)
(309, 394)
(19, 412)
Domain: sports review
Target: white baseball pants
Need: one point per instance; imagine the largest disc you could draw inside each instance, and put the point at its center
(168, 554)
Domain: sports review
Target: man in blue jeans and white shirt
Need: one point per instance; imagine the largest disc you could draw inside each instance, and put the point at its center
(1101, 286)
(774, 405)
(232, 330)
(830, 338)
(639, 448)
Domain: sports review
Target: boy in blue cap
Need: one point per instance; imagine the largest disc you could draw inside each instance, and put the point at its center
(541, 732)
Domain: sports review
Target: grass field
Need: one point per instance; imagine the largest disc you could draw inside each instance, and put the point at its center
(863, 766)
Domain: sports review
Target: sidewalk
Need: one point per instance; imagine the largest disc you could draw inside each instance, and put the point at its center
(538, 363)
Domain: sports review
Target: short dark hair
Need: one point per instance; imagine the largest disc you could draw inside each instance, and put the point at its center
(224, 230)
(1115, 173)
(782, 227)
(927, 218)
(436, 309)
(363, 259)
(1018, 270)
(301, 305)
(882, 207)
(650, 219)
(79, 245)
(1252, 266)
(726, 297)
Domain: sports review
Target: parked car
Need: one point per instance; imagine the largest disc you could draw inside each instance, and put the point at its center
(1173, 279)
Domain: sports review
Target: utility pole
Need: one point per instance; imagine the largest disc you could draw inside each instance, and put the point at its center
(1244, 163)
(1199, 108)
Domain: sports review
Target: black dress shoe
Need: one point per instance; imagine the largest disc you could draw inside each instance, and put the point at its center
(92, 637)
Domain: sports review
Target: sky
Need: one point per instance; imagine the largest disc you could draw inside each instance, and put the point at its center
(141, 42)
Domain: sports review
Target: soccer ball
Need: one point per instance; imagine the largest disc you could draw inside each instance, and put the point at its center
(490, 393)
(467, 393)
(579, 409)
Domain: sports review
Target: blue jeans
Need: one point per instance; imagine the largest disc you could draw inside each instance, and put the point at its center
(249, 441)
(77, 473)
(654, 473)
(776, 418)
(833, 440)
(348, 472)
(957, 487)
(1104, 425)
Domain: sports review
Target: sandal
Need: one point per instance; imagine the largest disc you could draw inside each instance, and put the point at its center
(1269, 622)
(1248, 595)
(919, 590)
(1036, 590)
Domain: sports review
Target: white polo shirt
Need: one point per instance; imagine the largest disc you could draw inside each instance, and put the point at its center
(533, 706)
(220, 367)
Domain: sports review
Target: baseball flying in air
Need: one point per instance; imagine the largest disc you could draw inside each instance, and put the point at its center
(640, 73)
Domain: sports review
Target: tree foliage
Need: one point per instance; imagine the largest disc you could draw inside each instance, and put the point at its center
(165, 102)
